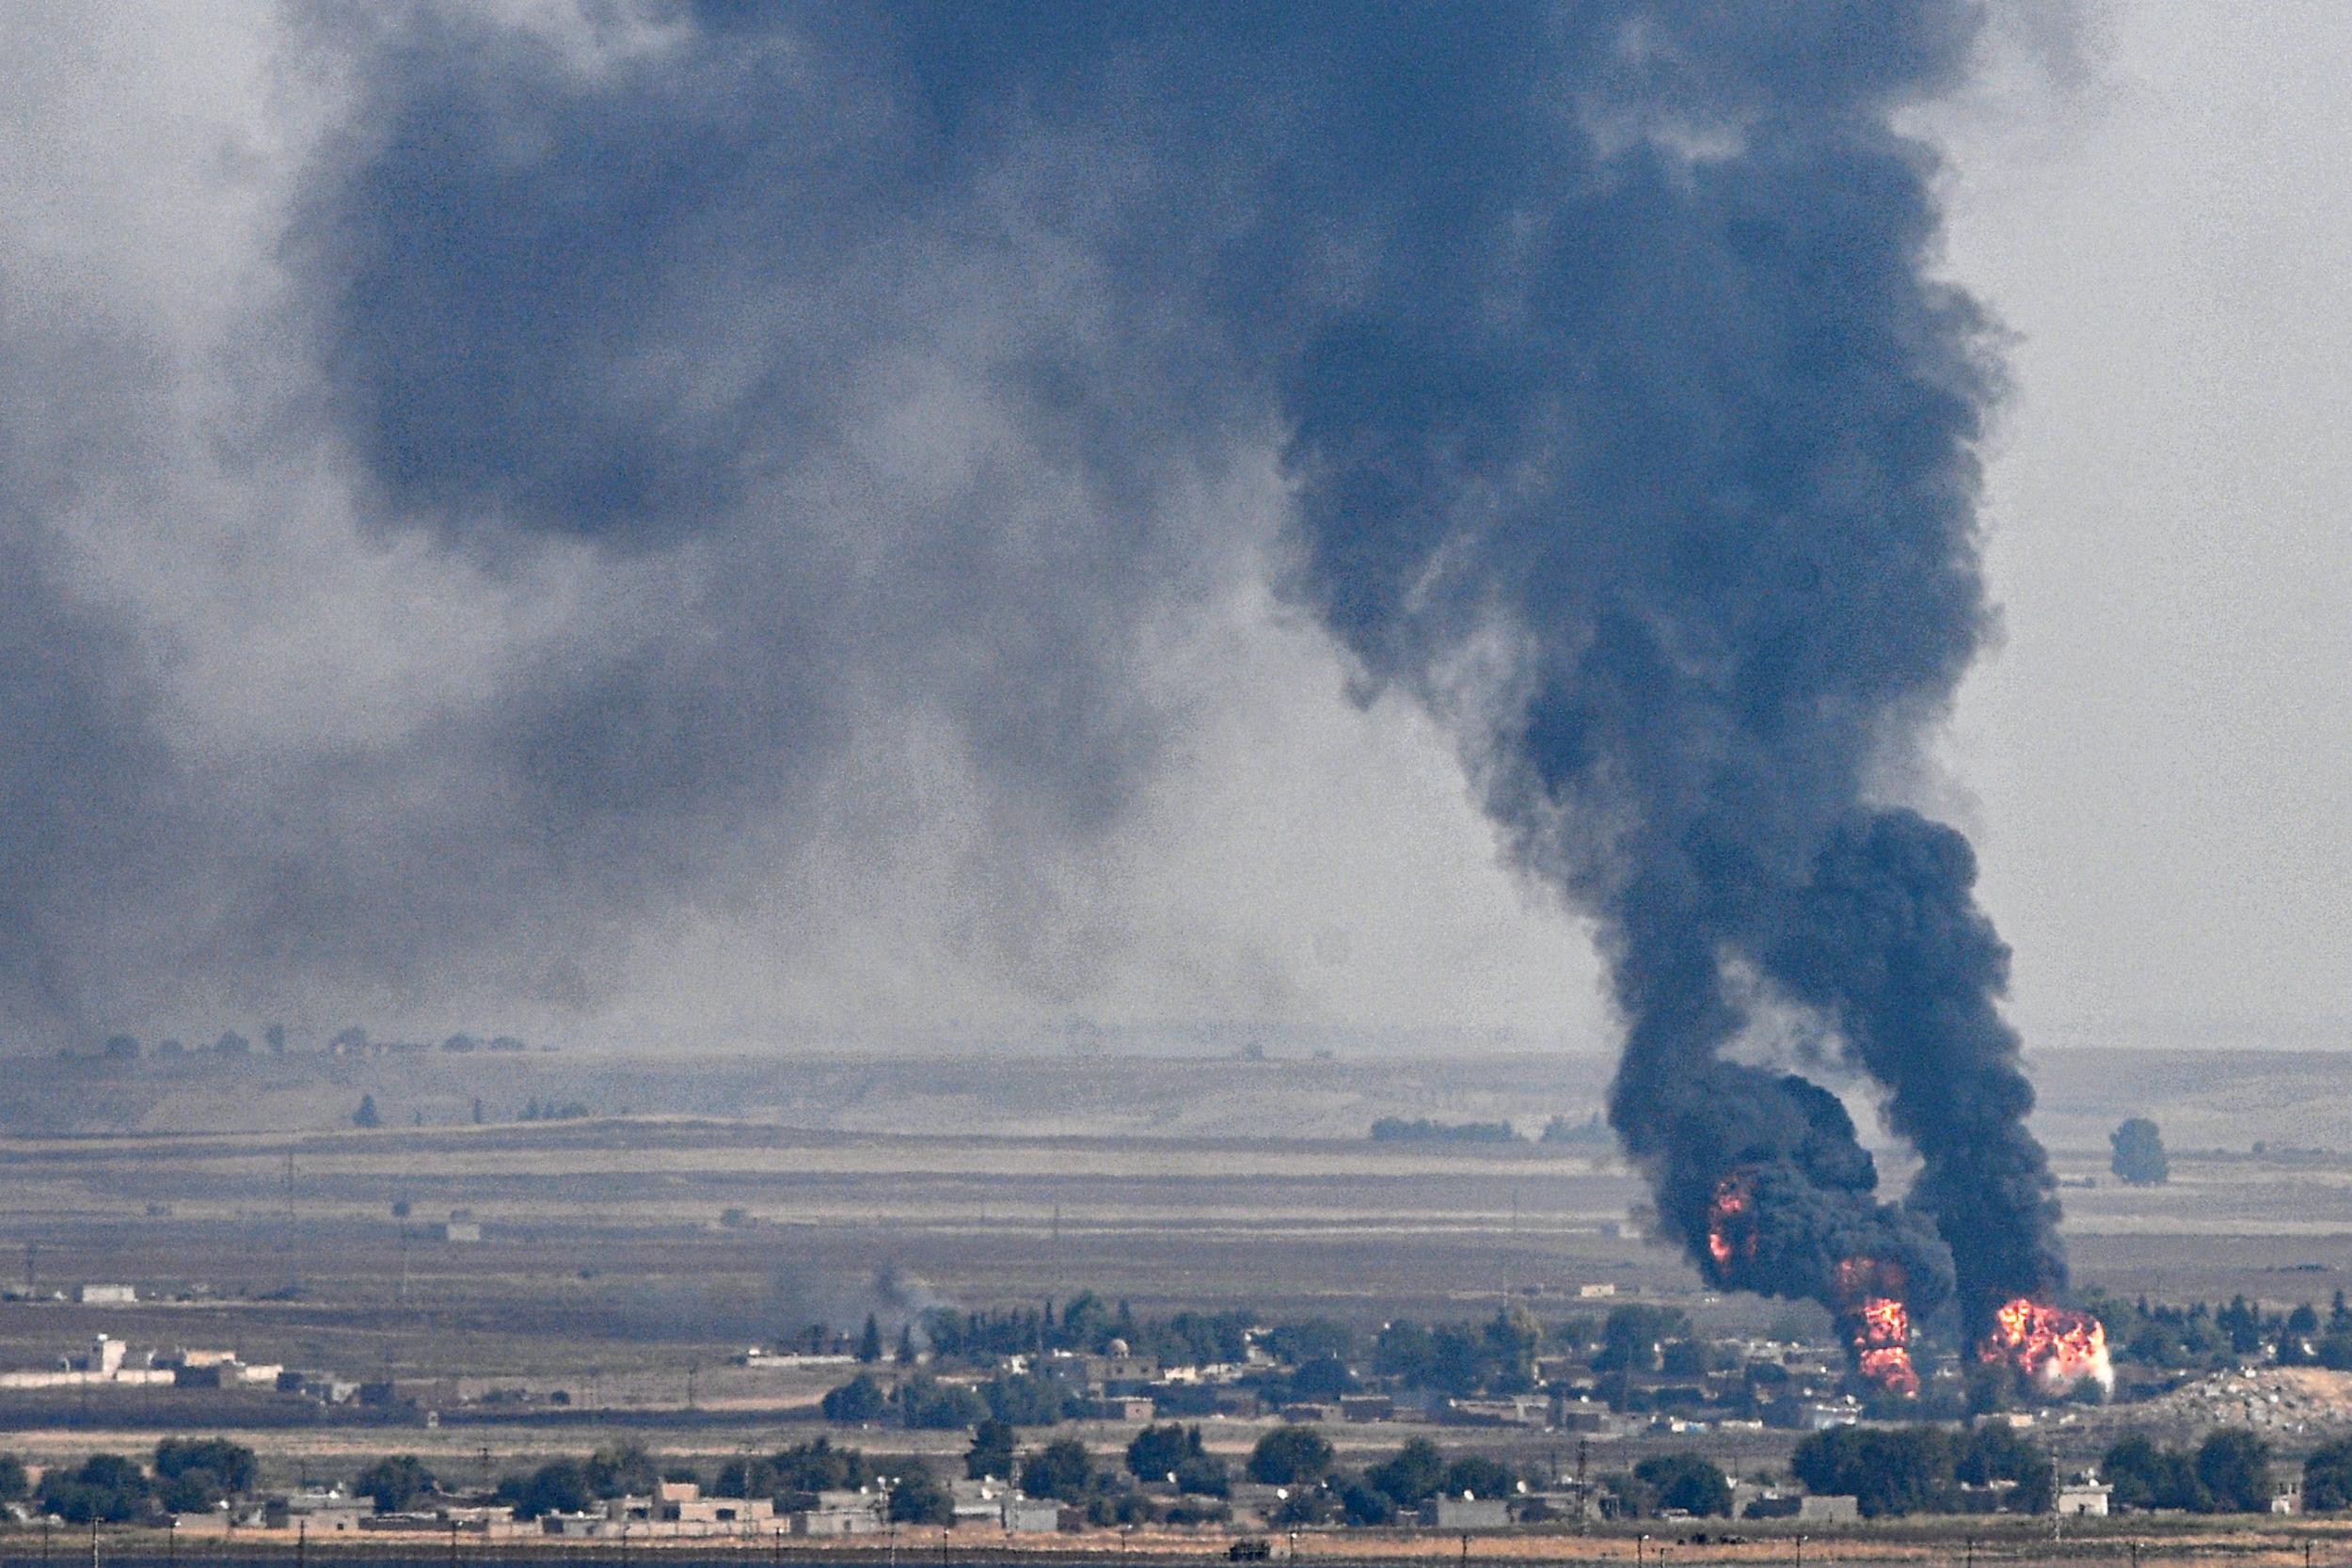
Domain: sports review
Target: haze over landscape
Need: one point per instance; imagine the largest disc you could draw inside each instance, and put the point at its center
(349, 714)
(1175, 776)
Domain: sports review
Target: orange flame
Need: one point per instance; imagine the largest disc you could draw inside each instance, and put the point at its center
(1878, 1322)
(1730, 1220)
(2053, 1346)
(1882, 1344)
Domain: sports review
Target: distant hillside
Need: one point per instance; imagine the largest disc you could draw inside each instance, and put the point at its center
(2206, 1099)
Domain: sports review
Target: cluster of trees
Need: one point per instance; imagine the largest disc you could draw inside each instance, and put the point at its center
(1314, 1359)
(1066, 1472)
(1088, 1324)
(2138, 1154)
(925, 1402)
(1926, 1469)
(1592, 1129)
(126, 1048)
(1679, 1480)
(2226, 1473)
(1301, 1459)
(2198, 1336)
(1422, 1129)
(187, 1475)
(791, 1477)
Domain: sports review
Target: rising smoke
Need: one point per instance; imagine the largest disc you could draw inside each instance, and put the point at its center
(777, 419)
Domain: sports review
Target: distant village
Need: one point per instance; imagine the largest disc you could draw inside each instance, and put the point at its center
(1084, 1414)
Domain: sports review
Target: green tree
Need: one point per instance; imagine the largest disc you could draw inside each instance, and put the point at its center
(919, 1500)
(857, 1401)
(927, 1404)
(990, 1453)
(1290, 1456)
(105, 1487)
(622, 1471)
(395, 1482)
(747, 1478)
(2234, 1464)
(191, 1475)
(1025, 1400)
(15, 1485)
(2139, 1154)
(1062, 1468)
(1366, 1504)
(1632, 1337)
(2147, 1477)
(233, 1465)
(1204, 1475)
(904, 1355)
(2328, 1477)
(1412, 1475)
(560, 1487)
(366, 1115)
(1157, 1451)
(1480, 1476)
(869, 1343)
(1889, 1471)
(1687, 1482)
(817, 1466)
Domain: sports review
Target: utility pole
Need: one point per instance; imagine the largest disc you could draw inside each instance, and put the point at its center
(1584, 1498)
(293, 1265)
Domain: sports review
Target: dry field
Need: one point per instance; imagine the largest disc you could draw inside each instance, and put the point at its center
(605, 1270)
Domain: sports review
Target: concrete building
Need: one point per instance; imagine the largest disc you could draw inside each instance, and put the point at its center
(1021, 1513)
(107, 1362)
(681, 1503)
(105, 1295)
(1467, 1512)
(838, 1513)
(2085, 1497)
(333, 1512)
(1830, 1509)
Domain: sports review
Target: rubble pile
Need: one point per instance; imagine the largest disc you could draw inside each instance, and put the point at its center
(2279, 1400)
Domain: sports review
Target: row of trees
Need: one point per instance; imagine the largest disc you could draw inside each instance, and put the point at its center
(1088, 1324)
(186, 1475)
(2200, 1336)
(1422, 1130)
(1315, 1358)
(1926, 1469)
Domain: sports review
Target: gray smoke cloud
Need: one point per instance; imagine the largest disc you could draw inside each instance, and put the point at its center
(699, 465)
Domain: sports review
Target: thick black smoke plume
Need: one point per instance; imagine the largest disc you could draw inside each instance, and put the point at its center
(769, 412)
(1655, 466)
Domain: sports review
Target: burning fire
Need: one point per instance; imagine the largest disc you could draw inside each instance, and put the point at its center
(1731, 1220)
(2053, 1346)
(1879, 1323)
(1882, 1346)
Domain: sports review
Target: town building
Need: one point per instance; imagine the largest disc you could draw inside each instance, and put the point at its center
(1467, 1512)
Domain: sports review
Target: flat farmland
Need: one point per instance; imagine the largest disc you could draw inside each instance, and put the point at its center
(701, 1207)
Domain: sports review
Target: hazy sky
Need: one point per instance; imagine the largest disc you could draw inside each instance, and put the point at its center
(283, 710)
